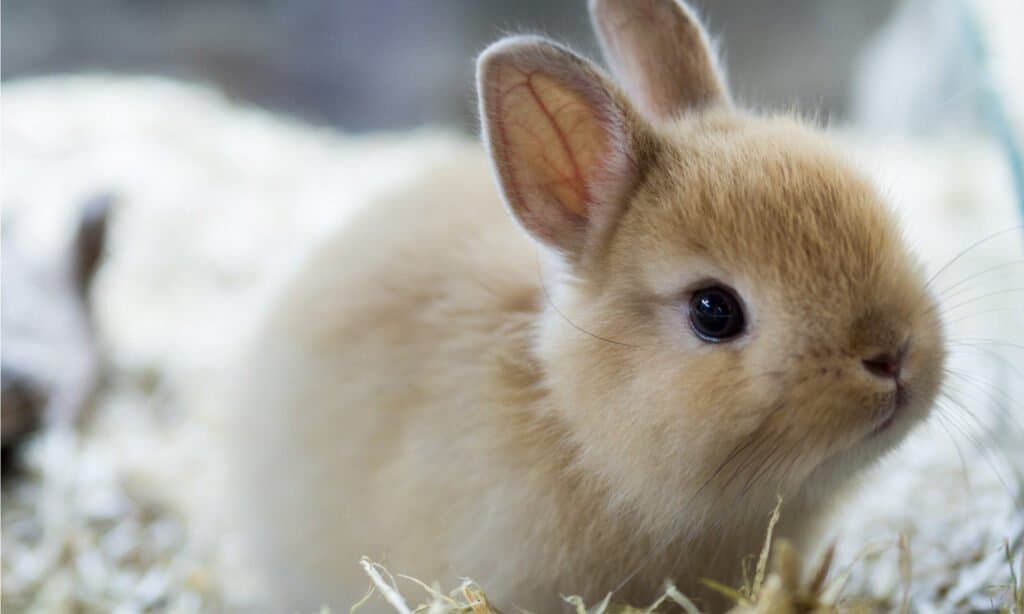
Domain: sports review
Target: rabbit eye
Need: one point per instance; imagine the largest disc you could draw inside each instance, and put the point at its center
(716, 315)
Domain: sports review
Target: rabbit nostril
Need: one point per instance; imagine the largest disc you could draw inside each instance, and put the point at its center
(884, 365)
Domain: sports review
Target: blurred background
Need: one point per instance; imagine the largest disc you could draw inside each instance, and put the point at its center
(398, 63)
(389, 64)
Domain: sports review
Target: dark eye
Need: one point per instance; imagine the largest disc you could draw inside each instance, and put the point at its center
(716, 315)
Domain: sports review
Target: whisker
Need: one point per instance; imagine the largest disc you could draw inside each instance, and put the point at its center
(756, 464)
(772, 461)
(973, 246)
(984, 451)
(551, 303)
(983, 342)
(982, 426)
(736, 451)
(982, 313)
(990, 390)
(990, 353)
(956, 444)
(759, 433)
(655, 551)
(976, 444)
(942, 293)
(944, 310)
(758, 451)
(944, 300)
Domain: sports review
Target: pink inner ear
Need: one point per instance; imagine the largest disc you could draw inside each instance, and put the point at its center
(552, 141)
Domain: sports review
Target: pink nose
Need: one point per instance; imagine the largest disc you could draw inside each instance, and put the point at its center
(884, 365)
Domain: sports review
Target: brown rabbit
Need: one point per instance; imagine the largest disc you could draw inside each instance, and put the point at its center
(603, 370)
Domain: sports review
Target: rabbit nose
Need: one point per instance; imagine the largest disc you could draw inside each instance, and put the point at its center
(886, 364)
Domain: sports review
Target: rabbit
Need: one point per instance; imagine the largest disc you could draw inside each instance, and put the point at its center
(587, 357)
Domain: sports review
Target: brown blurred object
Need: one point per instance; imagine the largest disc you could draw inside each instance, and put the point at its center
(50, 361)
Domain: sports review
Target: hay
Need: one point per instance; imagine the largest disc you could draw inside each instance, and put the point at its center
(780, 592)
(787, 589)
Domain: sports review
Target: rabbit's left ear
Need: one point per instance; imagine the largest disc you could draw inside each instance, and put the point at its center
(563, 141)
(661, 53)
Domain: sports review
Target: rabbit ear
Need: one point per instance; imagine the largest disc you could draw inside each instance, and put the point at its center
(561, 139)
(661, 53)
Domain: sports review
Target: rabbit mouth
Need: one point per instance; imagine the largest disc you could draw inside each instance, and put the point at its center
(890, 409)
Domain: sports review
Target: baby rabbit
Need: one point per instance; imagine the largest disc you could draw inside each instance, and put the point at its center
(599, 375)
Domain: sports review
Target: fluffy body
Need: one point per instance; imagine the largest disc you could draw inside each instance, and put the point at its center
(413, 396)
(452, 396)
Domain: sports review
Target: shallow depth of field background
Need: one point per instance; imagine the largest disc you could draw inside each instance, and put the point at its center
(393, 64)
(230, 135)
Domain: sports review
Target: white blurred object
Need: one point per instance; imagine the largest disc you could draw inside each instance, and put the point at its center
(921, 75)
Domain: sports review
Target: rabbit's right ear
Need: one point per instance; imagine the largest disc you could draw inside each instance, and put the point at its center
(661, 53)
(563, 141)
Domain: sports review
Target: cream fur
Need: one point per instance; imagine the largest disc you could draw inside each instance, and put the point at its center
(438, 392)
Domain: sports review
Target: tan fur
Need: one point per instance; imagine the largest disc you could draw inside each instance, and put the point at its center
(661, 52)
(437, 391)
